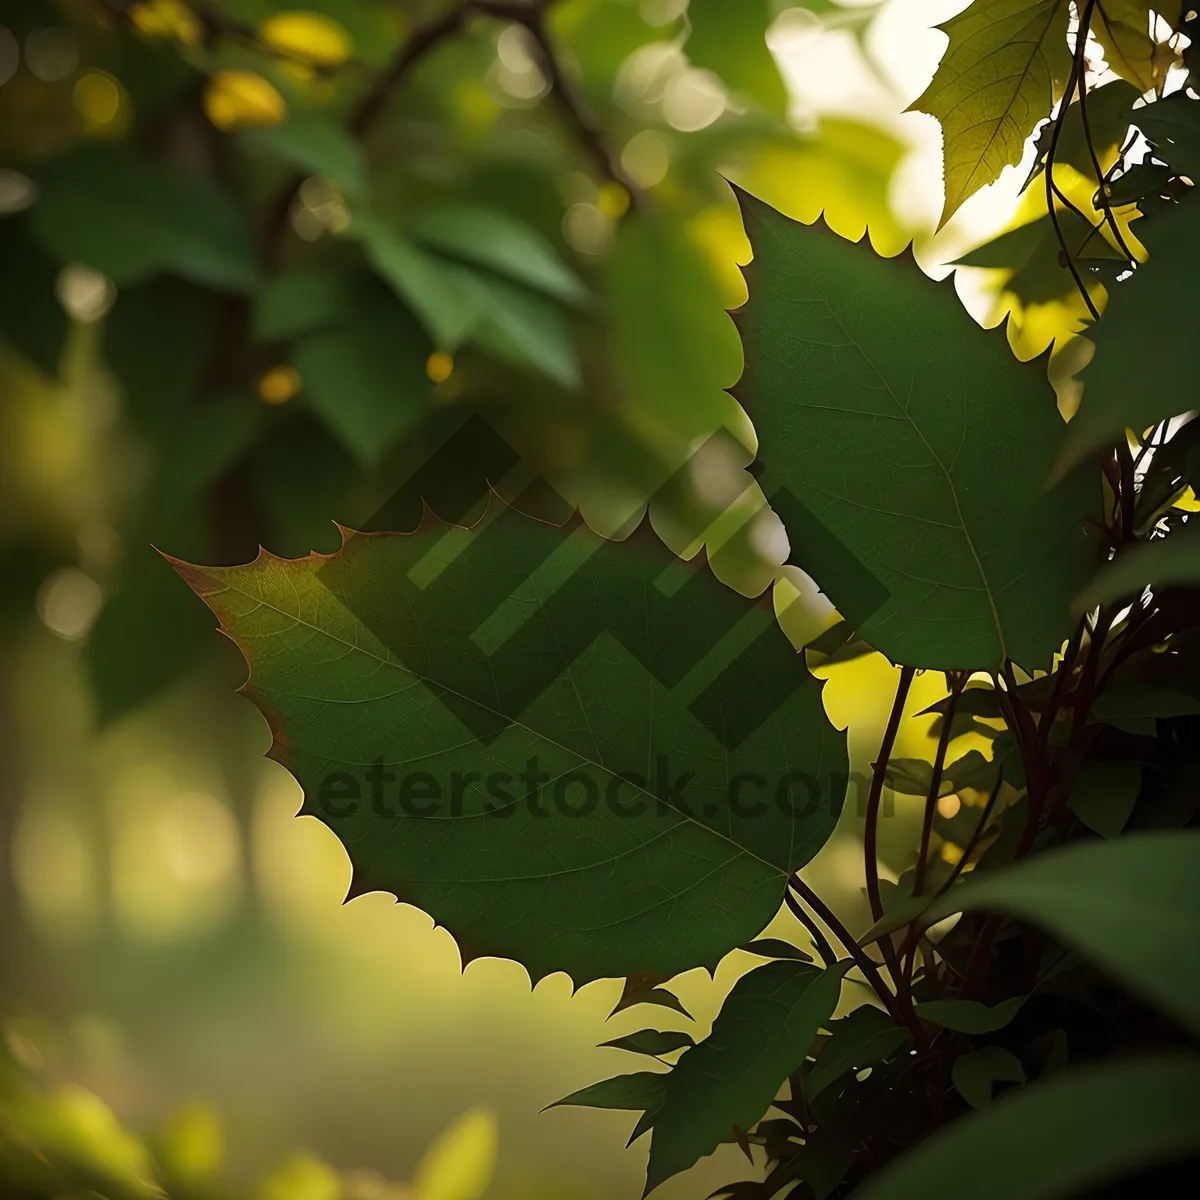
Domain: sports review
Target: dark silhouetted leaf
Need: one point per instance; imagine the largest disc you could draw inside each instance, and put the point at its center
(763, 1031)
(1131, 905)
(643, 1090)
(1054, 1139)
(975, 1074)
(653, 1042)
(774, 948)
(1144, 346)
(859, 1040)
(970, 1016)
(1104, 795)
(1160, 563)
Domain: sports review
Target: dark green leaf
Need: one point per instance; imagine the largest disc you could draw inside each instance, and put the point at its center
(975, 1074)
(308, 297)
(32, 321)
(774, 948)
(859, 1040)
(641, 988)
(148, 633)
(881, 416)
(315, 143)
(367, 378)
(158, 342)
(439, 292)
(653, 1042)
(367, 659)
(130, 219)
(1104, 795)
(970, 1016)
(1171, 560)
(763, 1031)
(1131, 701)
(491, 238)
(1132, 905)
(1056, 1138)
(730, 40)
(1145, 350)
(640, 1091)
(1172, 126)
(912, 777)
(524, 329)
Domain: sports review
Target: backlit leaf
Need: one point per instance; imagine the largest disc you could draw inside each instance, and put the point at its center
(1007, 62)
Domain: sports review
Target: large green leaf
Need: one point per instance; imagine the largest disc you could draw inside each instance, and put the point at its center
(906, 449)
(1006, 63)
(1055, 1138)
(762, 1033)
(1132, 905)
(1145, 350)
(730, 39)
(541, 737)
(129, 219)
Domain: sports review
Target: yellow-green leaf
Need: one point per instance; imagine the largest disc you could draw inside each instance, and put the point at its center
(1006, 63)
(460, 1164)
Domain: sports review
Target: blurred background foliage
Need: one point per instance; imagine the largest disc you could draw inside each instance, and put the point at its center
(264, 266)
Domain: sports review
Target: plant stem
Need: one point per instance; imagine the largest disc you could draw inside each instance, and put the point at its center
(935, 784)
(878, 775)
(819, 940)
(901, 1014)
(1077, 76)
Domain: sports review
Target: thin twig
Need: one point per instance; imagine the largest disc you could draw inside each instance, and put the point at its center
(898, 1012)
(1076, 78)
(878, 775)
(819, 940)
(935, 783)
(1091, 146)
(373, 102)
(590, 133)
